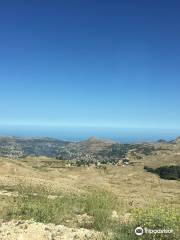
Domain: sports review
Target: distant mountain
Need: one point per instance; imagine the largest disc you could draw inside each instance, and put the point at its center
(96, 140)
(89, 151)
(20, 147)
(91, 145)
(176, 141)
(162, 141)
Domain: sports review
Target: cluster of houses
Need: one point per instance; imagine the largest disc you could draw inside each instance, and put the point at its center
(100, 161)
(98, 164)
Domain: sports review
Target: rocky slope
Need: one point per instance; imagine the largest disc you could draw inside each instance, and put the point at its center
(31, 230)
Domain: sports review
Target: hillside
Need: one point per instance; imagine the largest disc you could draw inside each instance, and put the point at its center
(89, 151)
(87, 201)
(19, 147)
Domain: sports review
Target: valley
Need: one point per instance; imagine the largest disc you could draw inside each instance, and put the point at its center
(100, 181)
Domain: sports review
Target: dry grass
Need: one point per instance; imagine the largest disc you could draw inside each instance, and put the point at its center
(88, 190)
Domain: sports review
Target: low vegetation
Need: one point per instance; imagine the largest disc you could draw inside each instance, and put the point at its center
(107, 213)
(166, 172)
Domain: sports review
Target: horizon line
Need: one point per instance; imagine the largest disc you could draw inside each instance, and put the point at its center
(22, 124)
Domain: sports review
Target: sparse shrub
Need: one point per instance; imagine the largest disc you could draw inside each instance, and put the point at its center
(34, 203)
(81, 162)
(158, 217)
(100, 205)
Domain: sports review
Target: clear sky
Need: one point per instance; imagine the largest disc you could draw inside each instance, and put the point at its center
(90, 63)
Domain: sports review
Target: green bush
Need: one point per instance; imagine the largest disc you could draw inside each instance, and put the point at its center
(166, 172)
(34, 203)
(158, 217)
(99, 205)
(153, 217)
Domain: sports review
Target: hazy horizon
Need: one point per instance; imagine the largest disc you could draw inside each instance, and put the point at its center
(77, 133)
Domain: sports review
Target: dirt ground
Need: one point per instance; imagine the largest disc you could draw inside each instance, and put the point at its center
(131, 182)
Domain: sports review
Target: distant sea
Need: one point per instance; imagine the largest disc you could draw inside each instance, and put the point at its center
(123, 135)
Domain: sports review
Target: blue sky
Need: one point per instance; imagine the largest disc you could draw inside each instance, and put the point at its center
(90, 63)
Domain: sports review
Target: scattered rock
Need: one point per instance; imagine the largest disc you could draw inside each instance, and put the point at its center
(84, 220)
(126, 218)
(28, 230)
(114, 215)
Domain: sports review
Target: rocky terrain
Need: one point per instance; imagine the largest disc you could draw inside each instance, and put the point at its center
(50, 189)
(30, 230)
